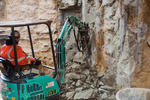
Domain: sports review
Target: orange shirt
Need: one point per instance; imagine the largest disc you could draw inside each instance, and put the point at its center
(7, 52)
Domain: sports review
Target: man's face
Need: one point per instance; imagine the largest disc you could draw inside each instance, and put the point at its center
(17, 36)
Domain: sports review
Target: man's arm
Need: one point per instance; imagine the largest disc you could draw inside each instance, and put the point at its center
(22, 57)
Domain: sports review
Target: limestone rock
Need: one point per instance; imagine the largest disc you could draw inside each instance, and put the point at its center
(79, 83)
(100, 83)
(69, 2)
(104, 96)
(72, 76)
(79, 89)
(108, 88)
(86, 94)
(102, 90)
(83, 77)
(107, 2)
(86, 72)
(69, 95)
(75, 66)
(78, 57)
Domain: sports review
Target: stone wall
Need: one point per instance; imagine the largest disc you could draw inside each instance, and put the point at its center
(2, 8)
(107, 39)
(129, 52)
(33, 10)
(2, 15)
(141, 76)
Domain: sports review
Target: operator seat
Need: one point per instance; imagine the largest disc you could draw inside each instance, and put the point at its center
(8, 69)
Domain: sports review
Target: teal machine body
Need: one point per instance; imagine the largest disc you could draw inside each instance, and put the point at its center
(37, 88)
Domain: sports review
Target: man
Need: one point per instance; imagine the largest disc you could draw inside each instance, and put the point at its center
(7, 52)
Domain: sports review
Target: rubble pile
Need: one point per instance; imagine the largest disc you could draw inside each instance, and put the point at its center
(82, 82)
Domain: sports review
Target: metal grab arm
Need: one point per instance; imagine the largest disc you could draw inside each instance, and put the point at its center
(69, 25)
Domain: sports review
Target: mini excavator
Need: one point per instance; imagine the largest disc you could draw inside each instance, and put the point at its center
(16, 85)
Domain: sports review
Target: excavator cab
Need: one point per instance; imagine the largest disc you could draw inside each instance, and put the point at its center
(16, 85)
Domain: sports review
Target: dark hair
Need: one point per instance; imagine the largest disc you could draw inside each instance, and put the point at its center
(9, 41)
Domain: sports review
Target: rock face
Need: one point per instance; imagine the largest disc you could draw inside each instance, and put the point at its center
(121, 34)
(140, 78)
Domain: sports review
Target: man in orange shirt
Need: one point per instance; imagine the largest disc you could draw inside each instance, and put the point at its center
(7, 52)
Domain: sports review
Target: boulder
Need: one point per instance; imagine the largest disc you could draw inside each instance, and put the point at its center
(107, 2)
(72, 76)
(86, 94)
(69, 95)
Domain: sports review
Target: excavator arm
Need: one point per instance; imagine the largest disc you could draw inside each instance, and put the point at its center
(81, 39)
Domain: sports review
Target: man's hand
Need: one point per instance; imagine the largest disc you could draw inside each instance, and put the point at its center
(32, 61)
(35, 61)
(38, 62)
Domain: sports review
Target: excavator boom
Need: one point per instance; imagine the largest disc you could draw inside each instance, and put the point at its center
(82, 37)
